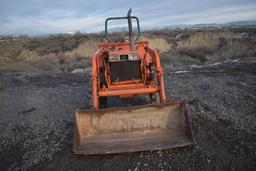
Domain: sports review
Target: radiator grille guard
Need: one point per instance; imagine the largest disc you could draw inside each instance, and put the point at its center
(125, 70)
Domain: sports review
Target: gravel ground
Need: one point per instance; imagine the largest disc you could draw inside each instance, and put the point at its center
(36, 120)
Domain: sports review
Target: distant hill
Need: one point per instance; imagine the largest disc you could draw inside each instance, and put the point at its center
(208, 25)
(242, 23)
(233, 24)
(217, 25)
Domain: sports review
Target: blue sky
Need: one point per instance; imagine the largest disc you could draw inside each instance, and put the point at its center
(65, 16)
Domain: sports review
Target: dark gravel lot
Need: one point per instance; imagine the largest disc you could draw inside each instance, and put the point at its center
(36, 120)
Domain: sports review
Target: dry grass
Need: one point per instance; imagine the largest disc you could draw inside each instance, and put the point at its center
(238, 48)
(85, 49)
(159, 43)
(63, 53)
(201, 44)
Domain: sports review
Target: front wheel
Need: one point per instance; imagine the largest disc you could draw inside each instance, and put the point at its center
(102, 102)
(154, 98)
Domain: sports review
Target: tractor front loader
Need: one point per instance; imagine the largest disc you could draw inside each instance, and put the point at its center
(126, 69)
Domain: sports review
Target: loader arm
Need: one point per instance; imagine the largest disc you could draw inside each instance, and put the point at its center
(159, 69)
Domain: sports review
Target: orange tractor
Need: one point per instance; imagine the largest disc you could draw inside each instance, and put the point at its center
(127, 69)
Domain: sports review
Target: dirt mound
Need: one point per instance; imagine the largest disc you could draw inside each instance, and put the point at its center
(159, 43)
(23, 58)
(28, 55)
(86, 49)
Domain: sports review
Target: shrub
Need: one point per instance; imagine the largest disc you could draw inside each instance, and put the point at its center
(46, 63)
(239, 48)
(199, 45)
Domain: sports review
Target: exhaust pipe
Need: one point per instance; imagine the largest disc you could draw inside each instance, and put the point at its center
(131, 35)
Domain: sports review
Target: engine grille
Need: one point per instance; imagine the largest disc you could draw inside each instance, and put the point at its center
(125, 70)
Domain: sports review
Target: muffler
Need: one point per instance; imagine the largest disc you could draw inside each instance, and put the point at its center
(130, 129)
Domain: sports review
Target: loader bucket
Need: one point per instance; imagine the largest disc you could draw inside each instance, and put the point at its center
(141, 128)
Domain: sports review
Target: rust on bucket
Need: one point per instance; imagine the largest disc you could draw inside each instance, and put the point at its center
(140, 128)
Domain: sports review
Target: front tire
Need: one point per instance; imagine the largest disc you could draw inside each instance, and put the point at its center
(102, 100)
(154, 98)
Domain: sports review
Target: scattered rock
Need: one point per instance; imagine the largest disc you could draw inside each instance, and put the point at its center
(79, 70)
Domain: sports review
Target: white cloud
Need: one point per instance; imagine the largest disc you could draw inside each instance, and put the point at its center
(217, 15)
(89, 16)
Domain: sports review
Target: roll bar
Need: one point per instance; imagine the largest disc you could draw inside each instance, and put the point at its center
(124, 18)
